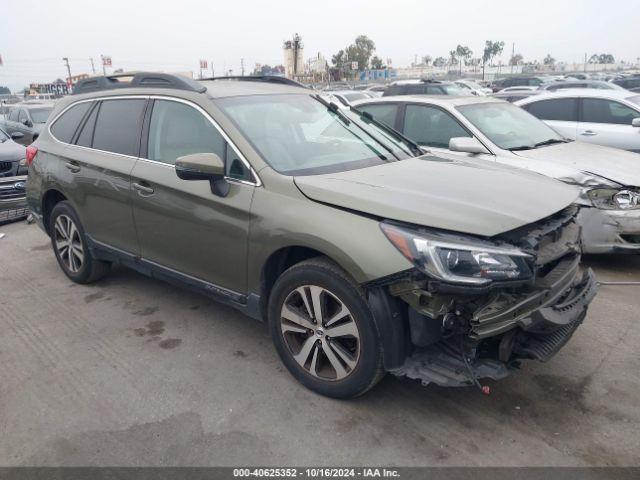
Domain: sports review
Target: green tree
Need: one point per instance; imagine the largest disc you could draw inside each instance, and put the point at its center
(377, 63)
(606, 58)
(338, 59)
(491, 50)
(549, 60)
(464, 55)
(361, 51)
(452, 57)
(426, 60)
(440, 62)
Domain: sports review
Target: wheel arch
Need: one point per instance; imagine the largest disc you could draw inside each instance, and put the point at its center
(50, 199)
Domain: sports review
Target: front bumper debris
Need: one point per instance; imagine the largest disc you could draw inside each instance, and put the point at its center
(547, 330)
(610, 231)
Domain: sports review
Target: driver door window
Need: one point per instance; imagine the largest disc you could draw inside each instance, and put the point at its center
(431, 126)
(178, 129)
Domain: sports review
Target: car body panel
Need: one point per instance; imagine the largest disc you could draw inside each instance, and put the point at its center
(425, 191)
(182, 225)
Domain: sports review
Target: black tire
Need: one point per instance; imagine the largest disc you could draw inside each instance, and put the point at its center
(323, 273)
(90, 269)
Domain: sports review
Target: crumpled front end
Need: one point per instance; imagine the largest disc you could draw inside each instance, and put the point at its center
(460, 334)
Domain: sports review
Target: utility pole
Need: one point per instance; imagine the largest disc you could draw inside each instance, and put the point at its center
(585, 63)
(242, 66)
(66, 61)
(93, 68)
(104, 69)
(212, 75)
(513, 52)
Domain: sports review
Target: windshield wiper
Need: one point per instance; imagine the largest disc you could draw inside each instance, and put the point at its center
(521, 147)
(551, 141)
(333, 107)
(413, 146)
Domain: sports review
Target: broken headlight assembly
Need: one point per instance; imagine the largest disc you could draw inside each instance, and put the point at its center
(459, 259)
(614, 199)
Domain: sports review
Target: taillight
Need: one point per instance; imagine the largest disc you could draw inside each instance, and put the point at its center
(31, 154)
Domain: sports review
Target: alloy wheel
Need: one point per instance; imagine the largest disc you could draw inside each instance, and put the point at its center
(68, 243)
(320, 332)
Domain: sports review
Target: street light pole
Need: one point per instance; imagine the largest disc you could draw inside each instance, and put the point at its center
(66, 61)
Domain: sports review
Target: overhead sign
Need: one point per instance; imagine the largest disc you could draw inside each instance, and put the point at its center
(204, 64)
(106, 61)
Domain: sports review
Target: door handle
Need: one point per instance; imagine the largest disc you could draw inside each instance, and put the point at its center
(73, 166)
(143, 189)
(588, 133)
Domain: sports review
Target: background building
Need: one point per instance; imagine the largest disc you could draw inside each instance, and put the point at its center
(293, 57)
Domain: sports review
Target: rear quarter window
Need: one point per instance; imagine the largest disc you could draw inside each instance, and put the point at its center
(66, 125)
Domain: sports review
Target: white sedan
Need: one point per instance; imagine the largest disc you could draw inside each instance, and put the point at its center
(603, 117)
(486, 129)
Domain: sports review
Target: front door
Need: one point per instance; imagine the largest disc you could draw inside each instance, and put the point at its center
(181, 224)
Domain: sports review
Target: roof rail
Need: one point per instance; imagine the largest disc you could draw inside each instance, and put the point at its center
(137, 80)
(260, 78)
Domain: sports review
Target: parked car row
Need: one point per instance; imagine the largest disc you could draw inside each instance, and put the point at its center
(363, 252)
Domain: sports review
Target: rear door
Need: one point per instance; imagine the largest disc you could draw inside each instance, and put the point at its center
(182, 225)
(608, 122)
(561, 114)
(96, 166)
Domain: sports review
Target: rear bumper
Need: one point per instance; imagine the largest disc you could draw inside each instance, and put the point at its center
(610, 231)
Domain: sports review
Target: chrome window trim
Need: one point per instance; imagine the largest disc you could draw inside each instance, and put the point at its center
(257, 183)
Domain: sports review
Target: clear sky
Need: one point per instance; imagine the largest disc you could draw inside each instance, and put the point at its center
(174, 35)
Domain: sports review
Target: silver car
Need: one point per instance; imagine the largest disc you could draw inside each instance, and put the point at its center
(486, 129)
(603, 117)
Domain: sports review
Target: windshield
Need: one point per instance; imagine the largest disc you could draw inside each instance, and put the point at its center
(508, 126)
(298, 135)
(352, 97)
(40, 115)
(453, 89)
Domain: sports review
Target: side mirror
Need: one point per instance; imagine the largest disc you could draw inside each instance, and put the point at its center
(203, 166)
(17, 135)
(26, 122)
(466, 145)
(635, 122)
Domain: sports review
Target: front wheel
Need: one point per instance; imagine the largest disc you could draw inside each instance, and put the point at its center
(323, 330)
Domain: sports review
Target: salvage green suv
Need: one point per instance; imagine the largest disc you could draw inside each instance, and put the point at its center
(363, 253)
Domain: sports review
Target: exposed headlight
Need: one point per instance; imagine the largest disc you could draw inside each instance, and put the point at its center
(613, 199)
(23, 162)
(459, 259)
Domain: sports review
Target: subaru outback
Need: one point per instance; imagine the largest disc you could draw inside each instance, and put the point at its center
(363, 253)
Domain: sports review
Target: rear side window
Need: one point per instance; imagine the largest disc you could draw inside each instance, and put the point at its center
(118, 126)
(382, 113)
(67, 124)
(596, 110)
(562, 109)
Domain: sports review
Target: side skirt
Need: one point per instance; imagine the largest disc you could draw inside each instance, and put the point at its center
(247, 304)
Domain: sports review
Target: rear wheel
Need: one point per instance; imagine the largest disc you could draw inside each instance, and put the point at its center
(323, 330)
(70, 246)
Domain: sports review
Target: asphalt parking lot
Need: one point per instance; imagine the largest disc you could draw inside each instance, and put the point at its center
(132, 371)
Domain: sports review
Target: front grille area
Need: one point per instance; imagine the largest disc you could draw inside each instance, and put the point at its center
(10, 169)
(5, 167)
(9, 191)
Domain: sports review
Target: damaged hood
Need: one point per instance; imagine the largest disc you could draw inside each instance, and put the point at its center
(617, 165)
(477, 198)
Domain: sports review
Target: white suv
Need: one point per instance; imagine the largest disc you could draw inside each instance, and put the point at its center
(603, 117)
